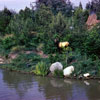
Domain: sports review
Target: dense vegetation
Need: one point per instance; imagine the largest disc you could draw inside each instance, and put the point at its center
(42, 28)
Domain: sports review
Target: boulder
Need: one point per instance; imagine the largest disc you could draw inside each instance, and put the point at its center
(68, 71)
(56, 66)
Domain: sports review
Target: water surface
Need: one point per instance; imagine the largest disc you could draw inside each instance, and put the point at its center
(16, 86)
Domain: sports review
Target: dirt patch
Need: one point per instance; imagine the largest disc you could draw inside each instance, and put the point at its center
(40, 53)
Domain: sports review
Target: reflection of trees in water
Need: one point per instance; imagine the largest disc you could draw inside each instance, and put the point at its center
(54, 88)
(60, 89)
(20, 82)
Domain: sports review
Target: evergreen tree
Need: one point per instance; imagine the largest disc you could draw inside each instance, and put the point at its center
(5, 17)
(94, 5)
(88, 6)
(43, 18)
(64, 6)
(80, 6)
(58, 26)
(80, 18)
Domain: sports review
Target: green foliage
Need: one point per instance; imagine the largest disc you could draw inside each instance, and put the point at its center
(82, 63)
(58, 73)
(58, 25)
(56, 31)
(57, 6)
(92, 42)
(25, 60)
(41, 69)
(26, 13)
(42, 29)
(76, 40)
(80, 18)
(8, 41)
(17, 48)
(21, 29)
(42, 14)
(5, 17)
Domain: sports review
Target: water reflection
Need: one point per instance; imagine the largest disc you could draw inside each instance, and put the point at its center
(16, 86)
(20, 82)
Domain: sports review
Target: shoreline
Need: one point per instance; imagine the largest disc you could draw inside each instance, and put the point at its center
(51, 76)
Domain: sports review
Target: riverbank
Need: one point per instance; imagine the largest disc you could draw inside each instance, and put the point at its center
(29, 71)
(30, 62)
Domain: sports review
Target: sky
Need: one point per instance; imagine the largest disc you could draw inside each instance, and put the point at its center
(21, 4)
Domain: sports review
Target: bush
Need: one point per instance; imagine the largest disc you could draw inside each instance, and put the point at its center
(17, 48)
(21, 29)
(41, 69)
(83, 64)
(58, 73)
(92, 43)
(57, 57)
(8, 41)
(26, 60)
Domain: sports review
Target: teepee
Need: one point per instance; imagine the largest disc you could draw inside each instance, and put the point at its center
(92, 21)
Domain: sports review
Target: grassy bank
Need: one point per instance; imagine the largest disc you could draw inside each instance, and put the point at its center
(35, 64)
(29, 39)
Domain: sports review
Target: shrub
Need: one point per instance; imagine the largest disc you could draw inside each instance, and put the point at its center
(8, 41)
(26, 60)
(58, 73)
(57, 57)
(41, 69)
(92, 43)
(17, 48)
(83, 64)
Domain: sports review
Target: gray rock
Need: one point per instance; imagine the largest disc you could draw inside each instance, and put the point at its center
(56, 66)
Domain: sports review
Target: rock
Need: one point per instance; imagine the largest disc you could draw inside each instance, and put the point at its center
(68, 71)
(86, 75)
(56, 66)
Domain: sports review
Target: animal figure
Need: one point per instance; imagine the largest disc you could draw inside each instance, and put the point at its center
(63, 44)
(60, 45)
(68, 71)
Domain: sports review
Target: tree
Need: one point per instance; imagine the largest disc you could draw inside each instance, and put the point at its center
(43, 17)
(21, 29)
(94, 5)
(80, 18)
(80, 6)
(56, 6)
(5, 17)
(88, 6)
(26, 13)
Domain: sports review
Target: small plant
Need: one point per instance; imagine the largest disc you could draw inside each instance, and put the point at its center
(17, 48)
(8, 41)
(58, 73)
(41, 69)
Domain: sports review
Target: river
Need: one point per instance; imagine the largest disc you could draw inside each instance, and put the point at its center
(17, 86)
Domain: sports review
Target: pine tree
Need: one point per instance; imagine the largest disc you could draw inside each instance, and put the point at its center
(80, 6)
(56, 6)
